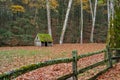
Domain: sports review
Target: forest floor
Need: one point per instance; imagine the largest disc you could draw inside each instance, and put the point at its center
(15, 57)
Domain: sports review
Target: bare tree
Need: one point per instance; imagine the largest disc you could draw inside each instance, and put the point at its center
(48, 17)
(91, 9)
(81, 32)
(65, 22)
(93, 22)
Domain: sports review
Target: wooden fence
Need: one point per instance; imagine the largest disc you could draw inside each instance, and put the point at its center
(108, 61)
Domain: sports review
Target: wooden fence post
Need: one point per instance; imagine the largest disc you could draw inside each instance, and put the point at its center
(74, 65)
(109, 57)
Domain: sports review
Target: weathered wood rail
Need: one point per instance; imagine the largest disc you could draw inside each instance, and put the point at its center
(17, 72)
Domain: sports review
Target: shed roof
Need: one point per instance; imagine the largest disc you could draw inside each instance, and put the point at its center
(45, 37)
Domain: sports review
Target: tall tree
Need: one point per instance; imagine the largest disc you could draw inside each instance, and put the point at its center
(114, 30)
(48, 17)
(108, 11)
(91, 9)
(93, 23)
(108, 15)
(112, 9)
(65, 22)
(81, 32)
(111, 31)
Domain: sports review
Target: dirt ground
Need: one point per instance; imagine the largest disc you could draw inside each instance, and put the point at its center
(52, 72)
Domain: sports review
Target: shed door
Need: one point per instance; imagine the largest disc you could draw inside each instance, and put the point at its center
(46, 44)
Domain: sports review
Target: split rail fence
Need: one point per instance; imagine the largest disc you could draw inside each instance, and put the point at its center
(17, 72)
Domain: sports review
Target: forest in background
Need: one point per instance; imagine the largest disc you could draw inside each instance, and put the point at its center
(21, 20)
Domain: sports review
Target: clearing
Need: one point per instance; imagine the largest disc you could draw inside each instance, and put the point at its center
(14, 57)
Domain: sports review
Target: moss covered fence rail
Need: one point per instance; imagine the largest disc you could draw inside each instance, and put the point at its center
(17, 72)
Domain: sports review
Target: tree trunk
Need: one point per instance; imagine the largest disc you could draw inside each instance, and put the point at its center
(81, 32)
(112, 9)
(48, 17)
(91, 9)
(115, 7)
(109, 12)
(93, 23)
(114, 29)
(65, 22)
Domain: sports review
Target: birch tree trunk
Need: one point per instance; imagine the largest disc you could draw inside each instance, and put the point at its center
(111, 26)
(91, 9)
(48, 17)
(109, 13)
(112, 8)
(65, 22)
(93, 24)
(81, 32)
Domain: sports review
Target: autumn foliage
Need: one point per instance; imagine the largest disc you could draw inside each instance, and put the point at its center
(17, 8)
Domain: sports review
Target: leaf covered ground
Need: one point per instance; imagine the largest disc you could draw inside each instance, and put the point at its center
(14, 57)
(111, 74)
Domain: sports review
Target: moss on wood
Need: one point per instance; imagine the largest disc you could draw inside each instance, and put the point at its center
(45, 37)
(92, 53)
(24, 69)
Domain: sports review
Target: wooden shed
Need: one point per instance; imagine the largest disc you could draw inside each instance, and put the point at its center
(43, 40)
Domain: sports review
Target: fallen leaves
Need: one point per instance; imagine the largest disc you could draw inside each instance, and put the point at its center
(111, 74)
(57, 51)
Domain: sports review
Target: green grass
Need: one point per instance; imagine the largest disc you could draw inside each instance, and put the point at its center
(11, 54)
(10, 59)
(24, 52)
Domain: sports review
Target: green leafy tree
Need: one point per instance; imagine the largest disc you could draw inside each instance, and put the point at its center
(114, 30)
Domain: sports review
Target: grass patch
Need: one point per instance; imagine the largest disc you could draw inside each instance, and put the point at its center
(15, 58)
(10, 59)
